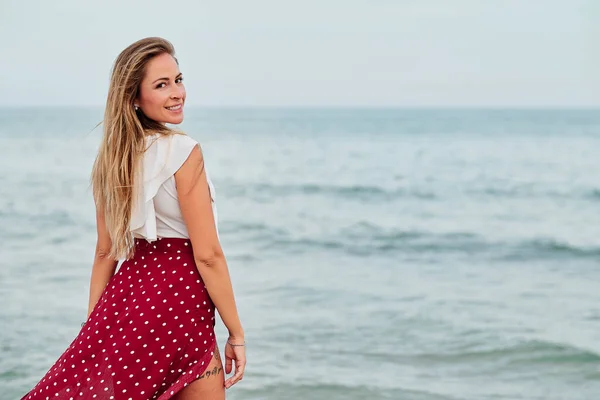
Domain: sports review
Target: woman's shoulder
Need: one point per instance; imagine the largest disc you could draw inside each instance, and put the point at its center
(175, 149)
(178, 137)
(183, 141)
(170, 145)
(164, 155)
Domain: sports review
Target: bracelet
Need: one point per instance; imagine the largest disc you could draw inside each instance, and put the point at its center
(235, 345)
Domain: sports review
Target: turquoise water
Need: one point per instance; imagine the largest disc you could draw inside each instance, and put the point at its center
(375, 254)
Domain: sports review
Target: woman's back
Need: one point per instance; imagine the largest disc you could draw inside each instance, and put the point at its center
(156, 213)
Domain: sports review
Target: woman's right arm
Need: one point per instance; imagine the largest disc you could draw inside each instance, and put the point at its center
(196, 208)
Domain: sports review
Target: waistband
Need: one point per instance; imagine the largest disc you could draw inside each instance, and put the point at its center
(169, 245)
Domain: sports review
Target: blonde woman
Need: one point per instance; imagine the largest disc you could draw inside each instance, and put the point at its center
(150, 327)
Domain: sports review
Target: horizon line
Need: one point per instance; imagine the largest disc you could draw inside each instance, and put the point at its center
(338, 107)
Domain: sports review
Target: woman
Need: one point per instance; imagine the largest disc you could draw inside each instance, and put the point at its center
(150, 327)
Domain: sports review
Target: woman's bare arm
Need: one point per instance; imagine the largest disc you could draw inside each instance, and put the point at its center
(196, 208)
(103, 268)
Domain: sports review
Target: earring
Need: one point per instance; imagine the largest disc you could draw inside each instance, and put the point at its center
(136, 107)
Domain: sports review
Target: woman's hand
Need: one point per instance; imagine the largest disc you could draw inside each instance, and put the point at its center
(235, 351)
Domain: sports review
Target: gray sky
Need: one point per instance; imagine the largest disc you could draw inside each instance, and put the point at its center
(313, 52)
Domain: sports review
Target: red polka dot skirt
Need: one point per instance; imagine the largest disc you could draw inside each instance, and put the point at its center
(150, 334)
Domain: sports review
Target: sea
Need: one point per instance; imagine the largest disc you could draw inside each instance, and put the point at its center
(406, 254)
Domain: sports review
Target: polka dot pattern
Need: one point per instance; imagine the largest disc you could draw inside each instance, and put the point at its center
(150, 334)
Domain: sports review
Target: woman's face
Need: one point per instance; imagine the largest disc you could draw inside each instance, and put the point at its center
(162, 94)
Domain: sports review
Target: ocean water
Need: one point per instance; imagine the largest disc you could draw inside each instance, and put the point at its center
(375, 253)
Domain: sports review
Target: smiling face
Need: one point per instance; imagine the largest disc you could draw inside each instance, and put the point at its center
(161, 93)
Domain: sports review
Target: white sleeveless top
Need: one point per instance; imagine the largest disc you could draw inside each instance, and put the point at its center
(155, 212)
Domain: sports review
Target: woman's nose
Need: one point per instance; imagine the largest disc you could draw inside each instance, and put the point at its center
(177, 93)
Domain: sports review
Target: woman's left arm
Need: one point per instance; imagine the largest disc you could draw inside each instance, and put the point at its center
(104, 267)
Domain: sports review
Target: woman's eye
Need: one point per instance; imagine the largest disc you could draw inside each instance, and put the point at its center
(178, 80)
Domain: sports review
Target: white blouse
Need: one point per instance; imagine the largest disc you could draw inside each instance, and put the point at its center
(155, 212)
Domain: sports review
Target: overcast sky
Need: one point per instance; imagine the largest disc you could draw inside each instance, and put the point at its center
(313, 52)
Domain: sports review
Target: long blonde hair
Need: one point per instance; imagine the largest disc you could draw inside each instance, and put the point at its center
(123, 142)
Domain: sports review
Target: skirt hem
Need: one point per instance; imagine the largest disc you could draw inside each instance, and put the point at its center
(191, 375)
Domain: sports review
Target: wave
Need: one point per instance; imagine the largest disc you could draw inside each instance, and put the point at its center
(594, 194)
(378, 193)
(550, 248)
(362, 192)
(317, 390)
(367, 239)
(522, 353)
(530, 191)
